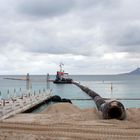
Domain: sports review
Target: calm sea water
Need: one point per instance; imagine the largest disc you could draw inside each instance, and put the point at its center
(124, 86)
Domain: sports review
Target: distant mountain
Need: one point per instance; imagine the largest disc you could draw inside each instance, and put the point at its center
(134, 72)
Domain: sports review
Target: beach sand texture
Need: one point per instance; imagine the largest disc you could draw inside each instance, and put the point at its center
(64, 121)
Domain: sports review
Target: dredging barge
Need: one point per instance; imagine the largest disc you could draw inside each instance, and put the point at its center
(62, 77)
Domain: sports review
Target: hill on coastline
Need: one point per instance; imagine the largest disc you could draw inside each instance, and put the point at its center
(134, 72)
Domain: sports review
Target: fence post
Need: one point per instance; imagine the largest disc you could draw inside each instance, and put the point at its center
(14, 92)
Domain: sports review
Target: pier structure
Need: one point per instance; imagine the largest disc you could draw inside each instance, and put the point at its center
(12, 106)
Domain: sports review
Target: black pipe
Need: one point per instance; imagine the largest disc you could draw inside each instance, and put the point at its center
(54, 99)
(110, 110)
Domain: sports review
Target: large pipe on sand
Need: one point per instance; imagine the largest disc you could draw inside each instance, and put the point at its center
(110, 110)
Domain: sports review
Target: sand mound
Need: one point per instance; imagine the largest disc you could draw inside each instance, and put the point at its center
(66, 108)
(66, 112)
(133, 114)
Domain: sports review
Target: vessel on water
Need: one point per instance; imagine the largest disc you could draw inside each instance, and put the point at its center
(62, 77)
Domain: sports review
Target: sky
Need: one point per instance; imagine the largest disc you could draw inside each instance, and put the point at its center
(88, 36)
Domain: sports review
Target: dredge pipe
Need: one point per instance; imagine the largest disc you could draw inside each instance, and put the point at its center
(110, 110)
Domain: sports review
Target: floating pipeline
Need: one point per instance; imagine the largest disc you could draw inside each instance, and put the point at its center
(57, 98)
(110, 110)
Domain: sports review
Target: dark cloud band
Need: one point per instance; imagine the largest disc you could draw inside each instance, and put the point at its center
(46, 8)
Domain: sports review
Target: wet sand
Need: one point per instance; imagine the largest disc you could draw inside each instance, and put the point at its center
(64, 121)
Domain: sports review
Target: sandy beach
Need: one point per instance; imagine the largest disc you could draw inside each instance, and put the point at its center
(64, 121)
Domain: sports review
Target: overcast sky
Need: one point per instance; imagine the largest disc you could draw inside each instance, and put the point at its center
(88, 36)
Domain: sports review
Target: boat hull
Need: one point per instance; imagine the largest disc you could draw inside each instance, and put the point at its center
(66, 81)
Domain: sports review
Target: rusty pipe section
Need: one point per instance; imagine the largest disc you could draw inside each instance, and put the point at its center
(110, 110)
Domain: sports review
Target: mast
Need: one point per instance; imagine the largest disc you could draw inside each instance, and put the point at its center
(61, 69)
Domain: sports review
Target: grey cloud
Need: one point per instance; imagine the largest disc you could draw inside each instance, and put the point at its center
(130, 37)
(51, 8)
(123, 38)
(46, 8)
(54, 38)
(4, 40)
(80, 45)
(135, 55)
(97, 3)
(5, 37)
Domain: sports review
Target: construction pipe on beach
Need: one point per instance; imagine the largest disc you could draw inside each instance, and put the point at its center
(109, 109)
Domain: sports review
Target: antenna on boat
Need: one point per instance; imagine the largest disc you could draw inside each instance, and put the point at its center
(61, 69)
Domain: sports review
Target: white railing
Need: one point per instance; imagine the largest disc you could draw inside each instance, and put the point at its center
(11, 107)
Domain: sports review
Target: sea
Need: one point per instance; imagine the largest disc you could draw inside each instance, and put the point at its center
(124, 87)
